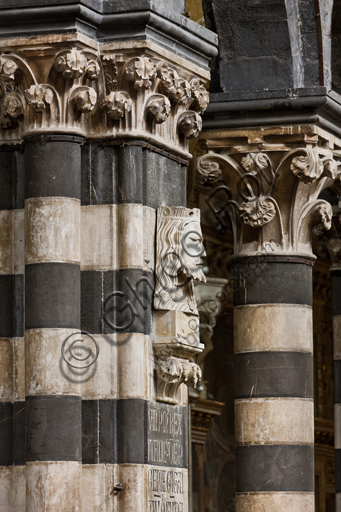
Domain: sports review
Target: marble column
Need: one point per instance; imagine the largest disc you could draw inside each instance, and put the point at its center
(334, 247)
(271, 193)
(100, 102)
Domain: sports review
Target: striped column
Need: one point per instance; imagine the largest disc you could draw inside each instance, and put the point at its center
(12, 370)
(121, 189)
(274, 413)
(52, 312)
(336, 284)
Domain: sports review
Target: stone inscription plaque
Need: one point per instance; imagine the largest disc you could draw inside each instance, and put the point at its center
(166, 435)
(166, 490)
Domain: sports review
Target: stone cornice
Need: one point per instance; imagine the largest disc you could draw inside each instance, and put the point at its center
(316, 105)
(111, 21)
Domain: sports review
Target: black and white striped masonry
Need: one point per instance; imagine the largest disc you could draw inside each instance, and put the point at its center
(121, 188)
(336, 284)
(52, 312)
(274, 413)
(12, 366)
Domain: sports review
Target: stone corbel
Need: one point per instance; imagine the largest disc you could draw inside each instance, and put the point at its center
(171, 373)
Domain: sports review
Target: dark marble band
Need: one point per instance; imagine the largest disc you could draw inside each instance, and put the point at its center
(12, 433)
(109, 176)
(53, 168)
(12, 172)
(134, 431)
(52, 295)
(276, 468)
(54, 430)
(338, 470)
(336, 287)
(273, 374)
(256, 281)
(122, 297)
(12, 306)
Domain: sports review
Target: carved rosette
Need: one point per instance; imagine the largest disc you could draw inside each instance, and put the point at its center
(117, 104)
(200, 96)
(258, 194)
(11, 109)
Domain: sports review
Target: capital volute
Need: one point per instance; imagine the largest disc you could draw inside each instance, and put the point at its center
(271, 198)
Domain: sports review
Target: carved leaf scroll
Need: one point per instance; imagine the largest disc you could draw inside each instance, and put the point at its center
(117, 104)
(110, 72)
(38, 97)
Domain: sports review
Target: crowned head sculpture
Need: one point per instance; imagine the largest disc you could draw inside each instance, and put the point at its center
(179, 258)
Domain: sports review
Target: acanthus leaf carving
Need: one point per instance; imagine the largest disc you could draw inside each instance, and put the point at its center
(200, 96)
(8, 69)
(39, 96)
(208, 172)
(326, 214)
(309, 167)
(110, 72)
(159, 107)
(190, 124)
(171, 373)
(71, 64)
(141, 71)
(176, 88)
(11, 109)
(84, 98)
(259, 212)
(117, 104)
(74, 64)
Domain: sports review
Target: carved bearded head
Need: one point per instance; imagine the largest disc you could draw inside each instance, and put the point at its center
(179, 260)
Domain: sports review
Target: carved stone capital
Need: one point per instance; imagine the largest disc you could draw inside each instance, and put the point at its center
(271, 194)
(139, 94)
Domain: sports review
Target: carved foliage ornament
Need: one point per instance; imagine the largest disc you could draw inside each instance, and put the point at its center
(74, 64)
(84, 98)
(265, 192)
(159, 108)
(7, 69)
(190, 124)
(117, 104)
(39, 96)
(141, 71)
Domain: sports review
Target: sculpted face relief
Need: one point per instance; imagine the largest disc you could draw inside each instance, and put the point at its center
(179, 261)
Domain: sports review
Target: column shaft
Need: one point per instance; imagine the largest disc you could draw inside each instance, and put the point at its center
(274, 413)
(52, 297)
(336, 284)
(12, 371)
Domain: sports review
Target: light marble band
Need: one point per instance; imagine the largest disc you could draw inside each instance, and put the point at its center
(264, 421)
(52, 226)
(132, 226)
(275, 501)
(273, 327)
